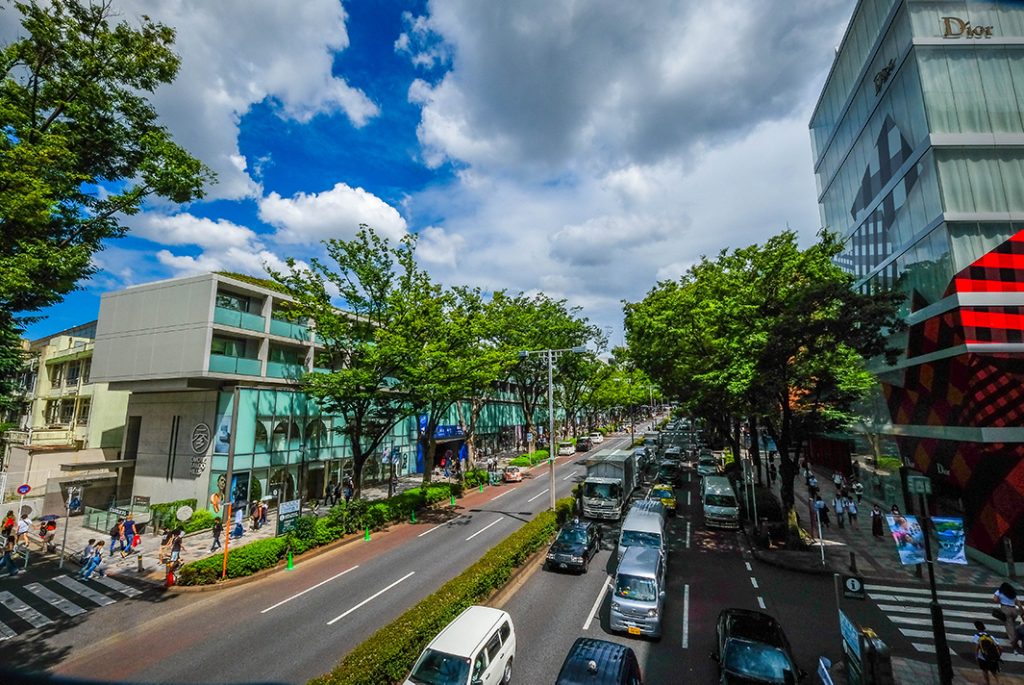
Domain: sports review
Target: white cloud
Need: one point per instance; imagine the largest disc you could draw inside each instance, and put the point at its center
(307, 218)
(233, 259)
(438, 247)
(186, 229)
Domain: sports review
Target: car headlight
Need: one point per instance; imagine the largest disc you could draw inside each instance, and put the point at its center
(616, 606)
(576, 560)
(652, 613)
(551, 555)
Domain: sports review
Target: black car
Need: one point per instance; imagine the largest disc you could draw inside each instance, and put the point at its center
(670, 472)
(599, 662)
(751, 648)
(584, 444)
(575, 546)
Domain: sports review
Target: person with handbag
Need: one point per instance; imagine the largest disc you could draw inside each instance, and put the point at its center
(987, 652)
(1008, 610)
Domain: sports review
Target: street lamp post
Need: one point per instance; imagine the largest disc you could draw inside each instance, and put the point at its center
(550, 355)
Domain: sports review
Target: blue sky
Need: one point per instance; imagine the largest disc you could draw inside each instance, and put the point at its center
(584, 149)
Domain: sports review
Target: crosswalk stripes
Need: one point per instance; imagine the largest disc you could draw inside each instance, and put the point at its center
(45, 602)
(907, 608)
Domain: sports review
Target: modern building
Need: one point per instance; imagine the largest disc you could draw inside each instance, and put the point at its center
(212, 363)
(70, 427)
(918, 143)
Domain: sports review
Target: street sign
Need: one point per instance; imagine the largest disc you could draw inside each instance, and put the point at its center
(853, 587)
(140, 501)
(851, 636)
(24, 489)
(287, 516)
(529, 437)
(919, 485)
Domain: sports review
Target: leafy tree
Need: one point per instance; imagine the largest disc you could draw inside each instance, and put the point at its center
(82, 148)
(373, 343)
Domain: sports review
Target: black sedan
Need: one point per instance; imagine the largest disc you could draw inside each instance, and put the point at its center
(584, 444)
(670, 471)
(751, 648)
(575, 546)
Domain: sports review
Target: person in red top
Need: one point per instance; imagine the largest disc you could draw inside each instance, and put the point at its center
(8, 525)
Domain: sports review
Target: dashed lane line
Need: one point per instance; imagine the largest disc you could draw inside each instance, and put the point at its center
(597, 603)
(371, 598)
(492, 523)
(309, 589)
(685, 644)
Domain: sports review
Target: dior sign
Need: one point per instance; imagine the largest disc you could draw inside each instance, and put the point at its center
(955, 27)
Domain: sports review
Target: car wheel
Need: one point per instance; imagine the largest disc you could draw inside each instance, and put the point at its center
(506, 678)
(586, 566)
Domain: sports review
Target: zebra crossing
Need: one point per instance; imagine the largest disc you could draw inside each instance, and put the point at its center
(45, 602)
(908, 609)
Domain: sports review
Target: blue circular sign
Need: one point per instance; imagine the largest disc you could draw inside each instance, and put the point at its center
(24, 489)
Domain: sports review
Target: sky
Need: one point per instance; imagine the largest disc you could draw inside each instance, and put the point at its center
(586, 149)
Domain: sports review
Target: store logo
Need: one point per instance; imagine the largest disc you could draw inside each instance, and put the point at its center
(954, 27)
(200, 438)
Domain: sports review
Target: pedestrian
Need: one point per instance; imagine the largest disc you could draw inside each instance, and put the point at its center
(218, 530)
(128, 528)
(876, 521)
(837, 480)
(332, 493)
(348, 490)
(47, 534)
(812, 486)
(858, 490)
(851, 512)
(117, 535)
(987, 652)
(773, 473)
(1006, 598)
(9, 523)
(166, 535)
(1018, 639)
(895, 511)
(822, 509)
(92, 563)
(263, 514)
(238, 530)
(254, 515)
(839, 506)
(177, 547)
(86, 554)
(8, 560)
(23, 527)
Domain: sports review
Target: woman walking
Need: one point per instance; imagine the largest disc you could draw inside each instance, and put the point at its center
(8, 560)
(851, 512)
(8, 525)
(1006, 598)
(876, 521)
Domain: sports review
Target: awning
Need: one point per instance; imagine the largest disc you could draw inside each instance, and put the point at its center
(111, 464)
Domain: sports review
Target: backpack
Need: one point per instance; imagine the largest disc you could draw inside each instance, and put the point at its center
(988, 648)
(115, 531)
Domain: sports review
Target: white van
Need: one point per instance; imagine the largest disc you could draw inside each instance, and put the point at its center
(721, 508)
(644, 526)
(477, 648)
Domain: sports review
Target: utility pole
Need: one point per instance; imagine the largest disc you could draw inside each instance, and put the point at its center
(551, 430)
(922, 485)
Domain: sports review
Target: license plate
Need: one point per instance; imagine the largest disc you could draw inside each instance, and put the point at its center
(632, 630)
(562, 566)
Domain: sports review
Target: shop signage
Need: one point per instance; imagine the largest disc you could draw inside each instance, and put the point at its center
(198, 465)
(955, 27)
(200, 438)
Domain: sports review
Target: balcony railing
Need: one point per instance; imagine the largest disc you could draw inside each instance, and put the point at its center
(233, 317)
(287, 329)
(220, 363)
(284, 370)
(54, 437)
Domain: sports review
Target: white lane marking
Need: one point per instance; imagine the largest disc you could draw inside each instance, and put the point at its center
(753, 581)
(927, 600)
(126, 590)
(923, 610)
(569, 476)
(538, 495)
(6, 633)
(747, 564)
(309, 589)
(760, 601)
(686, 617)
(494, 522)
(85, 591)
(440, 525)
(688, 493)
(911, 621)
(68, 607)
(24, 611)
(371, 598)
(930, 649)
(501, 495)
(920, 591)
(687, 535)
(597, 603)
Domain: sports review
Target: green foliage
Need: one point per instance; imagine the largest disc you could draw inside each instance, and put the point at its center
(201, 520)
(388, 655)
(521, 461)
(889, 463)
(530, 459)
(476, 477)
(242, 561)
(565, 509)
(166, 512)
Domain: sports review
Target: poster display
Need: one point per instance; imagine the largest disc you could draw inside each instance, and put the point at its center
(909, 537)
(950, 534)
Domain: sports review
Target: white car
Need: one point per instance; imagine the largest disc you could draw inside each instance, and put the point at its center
(477, 647)
(597, 437)
(566, 449)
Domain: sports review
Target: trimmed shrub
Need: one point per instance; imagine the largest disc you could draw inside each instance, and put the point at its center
(476, 478)
(388, 654)
(522, 461)
(201, 520)
(242, 561)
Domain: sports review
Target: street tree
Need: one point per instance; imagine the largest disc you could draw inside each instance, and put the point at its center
(82, 148)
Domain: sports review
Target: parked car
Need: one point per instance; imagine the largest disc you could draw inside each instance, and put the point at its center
(512, 474)
(584, 444)
(666, 495)
(566, 448)
(575, 546)
(477, 647)
(599, 662)
(751, 647)
(597, 437)
(670, 471)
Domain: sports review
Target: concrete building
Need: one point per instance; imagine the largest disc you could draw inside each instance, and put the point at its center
(212, 363)
(71, 426)
(918, 140)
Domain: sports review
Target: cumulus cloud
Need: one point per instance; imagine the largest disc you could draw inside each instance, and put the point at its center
(186, 229)
(438, 247)
(232, 259)
(307, 218)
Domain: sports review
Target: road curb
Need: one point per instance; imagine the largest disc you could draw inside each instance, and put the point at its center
(779, 563)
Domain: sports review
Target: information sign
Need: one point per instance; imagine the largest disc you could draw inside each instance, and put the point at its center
(851, 635)
(287, 516)
(919, 485)
(853, 587)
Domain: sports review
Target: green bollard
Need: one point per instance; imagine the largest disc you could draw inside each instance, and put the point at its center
(291, 564)
(453, 500)
(481, 487)
(366, 535)
(412, 516)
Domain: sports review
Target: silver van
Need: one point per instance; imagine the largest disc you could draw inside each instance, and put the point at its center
(644, 526)
(721, 508)
(638, 594)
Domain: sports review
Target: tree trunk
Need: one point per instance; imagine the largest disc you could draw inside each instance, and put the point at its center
(358, 460)
(755, 448)
(428, 441)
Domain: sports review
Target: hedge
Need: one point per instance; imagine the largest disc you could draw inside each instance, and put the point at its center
(388, 655)
(311, 531)
(530, 458)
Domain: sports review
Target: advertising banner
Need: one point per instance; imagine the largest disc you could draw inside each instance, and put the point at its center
(950, 534)
(909, 538)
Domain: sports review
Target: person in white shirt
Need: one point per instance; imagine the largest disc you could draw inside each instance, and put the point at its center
(1009, 604)
(23, 527)
(851, 512)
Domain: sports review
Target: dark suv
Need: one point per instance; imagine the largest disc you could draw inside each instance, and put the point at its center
(575, 546)
(599, 662)
(584, 444)
(750, 648)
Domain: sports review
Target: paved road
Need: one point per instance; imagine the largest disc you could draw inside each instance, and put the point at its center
(291, 626)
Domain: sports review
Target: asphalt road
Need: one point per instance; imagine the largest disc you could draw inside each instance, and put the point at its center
(290, 626)
(708, 571)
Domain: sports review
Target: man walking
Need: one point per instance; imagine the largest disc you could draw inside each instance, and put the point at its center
(129, 536)
(7, 559)
(177, 546)
(218, 530)
(117, 535)
(839, 506)
(987, 652)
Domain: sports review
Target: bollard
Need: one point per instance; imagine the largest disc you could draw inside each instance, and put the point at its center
(453, 500)
(853, 562)
(481, 487)
(139, 558)
(919, 570)
(291, 564)
(412, 516)
(366, 535)
(169, 579)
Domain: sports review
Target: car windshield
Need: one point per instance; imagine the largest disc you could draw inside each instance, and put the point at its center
(576, 536)
(512, 469)
(756, 660)
(704, 461)
(720, 500)
(636, 538)
(602, 490)
(663, 493)
(635, 587)
(438, 668)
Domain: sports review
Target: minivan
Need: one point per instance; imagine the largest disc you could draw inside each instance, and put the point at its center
(599, 662)
(638, 593)
(477, 648)
(721, 509)
(644, 526)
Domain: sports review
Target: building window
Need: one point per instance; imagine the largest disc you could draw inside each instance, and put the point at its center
(236, 302)
(229, 347)
(52, 412)
(57, 375)
(84, 405)
(86, 370)
(72, 374)
(67, 412)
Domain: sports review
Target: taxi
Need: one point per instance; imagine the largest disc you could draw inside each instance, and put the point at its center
(666, 495)
(512, 474)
